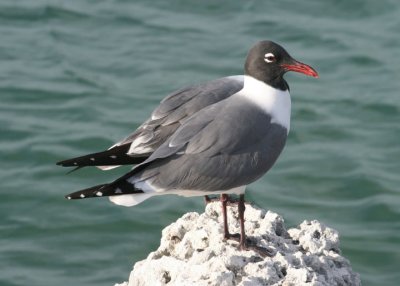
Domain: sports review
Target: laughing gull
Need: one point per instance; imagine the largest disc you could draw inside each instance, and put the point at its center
(212, 138)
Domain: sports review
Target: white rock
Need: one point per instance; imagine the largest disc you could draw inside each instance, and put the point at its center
(192, 252)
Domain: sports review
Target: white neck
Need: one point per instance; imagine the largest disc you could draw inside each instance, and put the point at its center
(273, 101)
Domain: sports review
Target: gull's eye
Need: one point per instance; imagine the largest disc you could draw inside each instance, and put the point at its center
(269, 57)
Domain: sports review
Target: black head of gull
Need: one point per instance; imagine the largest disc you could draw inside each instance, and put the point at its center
(268, 62)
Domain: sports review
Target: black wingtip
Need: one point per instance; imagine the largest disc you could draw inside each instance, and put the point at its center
(67, 163)
(91, 192)
(117, 188)
(74, 169)
(113, 157)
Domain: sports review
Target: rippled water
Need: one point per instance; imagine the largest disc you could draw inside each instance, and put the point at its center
(75, 76)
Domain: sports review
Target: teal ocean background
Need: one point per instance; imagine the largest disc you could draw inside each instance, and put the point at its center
(78, 75)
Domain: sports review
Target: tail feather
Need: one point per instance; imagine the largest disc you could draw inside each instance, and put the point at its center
(113, 157)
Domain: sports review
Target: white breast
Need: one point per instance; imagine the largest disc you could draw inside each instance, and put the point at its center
(273, 101)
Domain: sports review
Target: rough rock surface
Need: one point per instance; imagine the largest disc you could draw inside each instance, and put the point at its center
(192, 252)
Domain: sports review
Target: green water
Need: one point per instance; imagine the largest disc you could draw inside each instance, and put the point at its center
(77, 75)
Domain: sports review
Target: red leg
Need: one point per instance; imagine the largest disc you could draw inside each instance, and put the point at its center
(224, 201)
(241, 209)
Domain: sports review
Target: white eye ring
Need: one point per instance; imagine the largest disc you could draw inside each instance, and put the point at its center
(269, 57)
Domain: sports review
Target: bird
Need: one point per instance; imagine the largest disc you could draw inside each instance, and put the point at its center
(213, 138)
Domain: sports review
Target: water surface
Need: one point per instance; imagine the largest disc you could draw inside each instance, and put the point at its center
(75, 76)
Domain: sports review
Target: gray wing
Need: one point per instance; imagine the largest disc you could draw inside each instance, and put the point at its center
(175, 109)
(229, 144)
(165, 119)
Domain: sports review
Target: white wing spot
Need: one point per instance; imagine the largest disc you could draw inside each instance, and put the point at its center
(82, 196)
(69, 197)
(75, 163)
(99, 194)
(113, 157)
(92, 159)
(118, 191)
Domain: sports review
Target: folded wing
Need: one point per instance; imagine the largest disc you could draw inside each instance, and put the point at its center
(164, 121)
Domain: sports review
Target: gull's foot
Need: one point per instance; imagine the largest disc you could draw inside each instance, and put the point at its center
(249, 244)
(232, 236)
